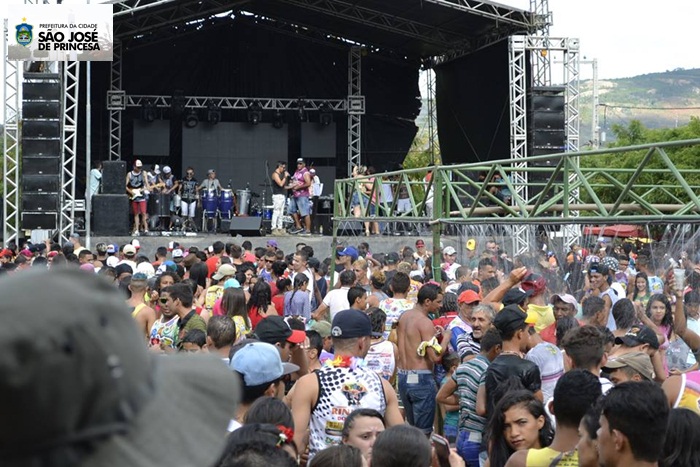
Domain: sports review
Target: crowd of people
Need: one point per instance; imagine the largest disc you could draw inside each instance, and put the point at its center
(235, 355)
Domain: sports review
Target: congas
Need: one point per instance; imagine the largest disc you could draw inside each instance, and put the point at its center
(243, 201)
(225, 203)
(267, 213)
(209, 203)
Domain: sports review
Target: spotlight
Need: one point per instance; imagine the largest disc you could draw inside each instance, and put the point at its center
(192, 119)
(148, 111)
(254, 113)
(325, 116)
(278, 120)
(213, 113)
(300, 109)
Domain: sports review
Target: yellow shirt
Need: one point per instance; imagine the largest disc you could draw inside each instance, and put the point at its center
(546, 457)
(542, 316)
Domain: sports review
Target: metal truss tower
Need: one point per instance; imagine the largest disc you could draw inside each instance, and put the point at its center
(115, 103)
(433, 140)
(10, 148)
(356, 107)
(70, 81)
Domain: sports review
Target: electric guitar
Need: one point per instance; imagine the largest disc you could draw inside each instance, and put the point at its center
(136, 193)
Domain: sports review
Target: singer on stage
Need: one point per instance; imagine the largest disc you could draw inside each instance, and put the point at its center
(280, 179)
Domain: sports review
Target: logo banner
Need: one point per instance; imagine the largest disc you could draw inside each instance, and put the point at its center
(60, 32)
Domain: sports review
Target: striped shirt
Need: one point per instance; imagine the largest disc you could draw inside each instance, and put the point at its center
(468, 376)
(466, 345)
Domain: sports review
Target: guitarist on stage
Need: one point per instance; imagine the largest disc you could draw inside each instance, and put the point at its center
(136, 187)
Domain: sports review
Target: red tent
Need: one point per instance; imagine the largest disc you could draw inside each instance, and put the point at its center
(619, 230)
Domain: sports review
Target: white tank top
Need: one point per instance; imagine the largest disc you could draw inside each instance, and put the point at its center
(380, 359)
(341, 391)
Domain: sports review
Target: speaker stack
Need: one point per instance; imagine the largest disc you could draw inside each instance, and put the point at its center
(41, 151)
(110, 208)
(546, 132)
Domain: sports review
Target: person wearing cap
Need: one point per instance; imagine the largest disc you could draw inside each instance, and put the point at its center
(643, 339)
(211, 183)
(419, 350)
(323, 400)
(188, 190)
(299, 184)
(345, 257)
(169, 185)
(261, 373)
(276, 331)
(137, 187)
(538, 309)
(449, 265)
(461, 324)
(280, 181)
(129, 254)
(563, 305)
(512, 323)
(144, 315)
(215, 291)
(633, 366)
(471, 253)
(103, 373)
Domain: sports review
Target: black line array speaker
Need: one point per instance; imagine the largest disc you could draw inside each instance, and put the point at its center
(110, 215)
(246, 226)
(41, 151)
(113, 177)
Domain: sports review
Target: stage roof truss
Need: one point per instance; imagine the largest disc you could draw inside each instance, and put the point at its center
(238, 103)
(414, 31)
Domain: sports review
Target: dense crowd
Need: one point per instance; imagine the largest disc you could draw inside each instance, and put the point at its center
(232, 355)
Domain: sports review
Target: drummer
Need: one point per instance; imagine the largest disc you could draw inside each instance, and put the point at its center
(211, 183)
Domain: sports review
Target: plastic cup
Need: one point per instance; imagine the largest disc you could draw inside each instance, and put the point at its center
(679, 278)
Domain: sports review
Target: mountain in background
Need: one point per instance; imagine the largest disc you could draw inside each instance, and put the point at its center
(658, 100)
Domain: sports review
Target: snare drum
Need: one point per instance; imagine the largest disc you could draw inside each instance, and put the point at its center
(225, 203)
(209, 203)
(267, 213)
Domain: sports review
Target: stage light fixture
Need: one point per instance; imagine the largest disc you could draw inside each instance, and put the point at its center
(278, 120)
(191, 119)
(301, 110)
(254, 113)
(325, 114)
(213, 113)
(148, 111)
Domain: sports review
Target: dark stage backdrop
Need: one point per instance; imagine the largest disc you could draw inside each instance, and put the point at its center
(241, 59)
(473, 106)
(237, 151)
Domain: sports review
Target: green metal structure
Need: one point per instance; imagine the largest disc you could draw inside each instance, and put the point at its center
(565, 189)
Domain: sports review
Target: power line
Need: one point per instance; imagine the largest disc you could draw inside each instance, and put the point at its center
(647, 108)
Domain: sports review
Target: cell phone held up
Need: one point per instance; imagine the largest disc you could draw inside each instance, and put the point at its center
(442, 449)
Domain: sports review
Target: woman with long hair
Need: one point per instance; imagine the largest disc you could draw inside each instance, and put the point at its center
(660, 314)
(296, 302)
(518, 422)
(282, 286)
(376, 286)
(260, 303)
(640, 292)
(233, 305)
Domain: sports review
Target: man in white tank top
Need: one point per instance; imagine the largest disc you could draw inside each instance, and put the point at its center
(322, 400)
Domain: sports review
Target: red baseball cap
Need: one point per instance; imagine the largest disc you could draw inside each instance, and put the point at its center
(468, 296)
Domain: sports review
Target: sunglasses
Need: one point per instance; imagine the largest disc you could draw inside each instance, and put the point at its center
(190, 173)
(163, 300)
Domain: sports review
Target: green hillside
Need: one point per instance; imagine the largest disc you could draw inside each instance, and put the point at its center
(658, 100)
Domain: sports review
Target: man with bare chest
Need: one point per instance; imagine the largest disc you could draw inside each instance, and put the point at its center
(419, 350)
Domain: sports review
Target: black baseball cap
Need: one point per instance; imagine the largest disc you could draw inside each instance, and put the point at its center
(510, 318)
(516, 296)
(274, 329)
(638, 335)
(350, 323)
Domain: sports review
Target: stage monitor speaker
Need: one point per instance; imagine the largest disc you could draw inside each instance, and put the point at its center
(39, 220)
(110, 215)
(41, 165)
(113, 177)
(41, 128)
(41, 91)
(41, 147)
(40, 183)
(39, 202)
(246, 226)
(41, 110)
(350, 229)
